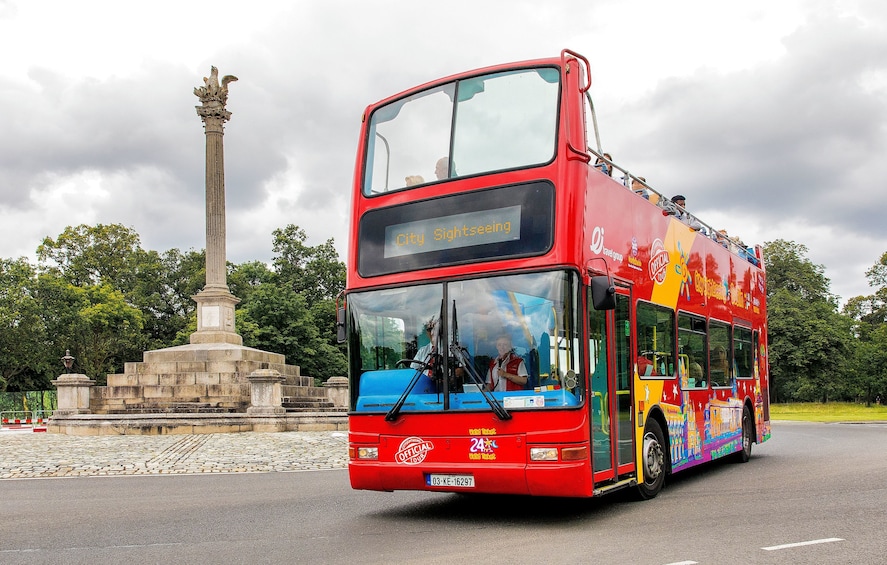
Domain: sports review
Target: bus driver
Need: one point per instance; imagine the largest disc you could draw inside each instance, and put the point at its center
(508, 370)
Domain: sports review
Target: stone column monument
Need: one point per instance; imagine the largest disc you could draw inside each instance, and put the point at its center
(213, 383)
(215, 303)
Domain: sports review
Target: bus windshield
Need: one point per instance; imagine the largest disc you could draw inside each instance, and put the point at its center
(513, 337)
(477, 125)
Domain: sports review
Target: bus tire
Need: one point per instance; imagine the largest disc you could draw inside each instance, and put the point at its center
(748, 437)
(653, 460)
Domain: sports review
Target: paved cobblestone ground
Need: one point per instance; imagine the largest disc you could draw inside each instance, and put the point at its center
(31, 455)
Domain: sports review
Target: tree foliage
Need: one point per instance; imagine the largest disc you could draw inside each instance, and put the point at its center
(869, 314)
(96, 292)
(314, 272)
(291, 309)
(809, 341)
(23, 337)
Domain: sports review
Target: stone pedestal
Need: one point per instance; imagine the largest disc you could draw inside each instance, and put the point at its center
(265, 392)
(73, 394)
(215, 317)
(337, 391)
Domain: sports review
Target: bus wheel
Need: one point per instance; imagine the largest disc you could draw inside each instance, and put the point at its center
(748, 432)
(653, 461)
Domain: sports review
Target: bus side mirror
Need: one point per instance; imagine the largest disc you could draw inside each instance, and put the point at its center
(340, 325)
(603, 293)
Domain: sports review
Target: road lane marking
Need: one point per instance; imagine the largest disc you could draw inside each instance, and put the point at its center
(801, 543)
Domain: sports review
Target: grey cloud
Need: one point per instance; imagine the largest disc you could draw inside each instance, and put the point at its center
(791, 140)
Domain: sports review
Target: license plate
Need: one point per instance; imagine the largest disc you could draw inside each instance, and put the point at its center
(464, 481)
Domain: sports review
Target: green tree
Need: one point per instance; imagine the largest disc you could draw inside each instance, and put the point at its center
(97, 293)
(243, 279)
(24, 361)
(159, 285)
(278, 319)
(89, 255)
(166, 284)
(95, 323)
(870, 316)
(788, 268)
(315, 272)
(809, 342)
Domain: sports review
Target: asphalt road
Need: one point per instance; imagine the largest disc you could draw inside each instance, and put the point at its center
(812, 494)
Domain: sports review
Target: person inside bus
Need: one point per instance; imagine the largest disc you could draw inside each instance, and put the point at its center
(508, 370)
(413, 180)
(694, 369)
(423, 355)
(604, 166)
(645, 366)
(720, 367)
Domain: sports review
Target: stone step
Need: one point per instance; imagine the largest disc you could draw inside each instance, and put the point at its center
(330, 409)
(303, 391)
(173, 408)
(296, 403)
(304, 399)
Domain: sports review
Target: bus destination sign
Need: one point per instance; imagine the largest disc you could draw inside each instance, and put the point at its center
(480, 225)
(460, 230)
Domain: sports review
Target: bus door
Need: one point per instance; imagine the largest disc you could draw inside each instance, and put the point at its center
(610, 398)
(624, 377)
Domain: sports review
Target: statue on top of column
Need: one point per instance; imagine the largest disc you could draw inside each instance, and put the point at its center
(213, 95)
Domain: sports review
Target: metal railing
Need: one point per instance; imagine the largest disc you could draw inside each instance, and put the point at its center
(640, 187)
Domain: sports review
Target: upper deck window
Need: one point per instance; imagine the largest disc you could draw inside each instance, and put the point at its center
(476, 125)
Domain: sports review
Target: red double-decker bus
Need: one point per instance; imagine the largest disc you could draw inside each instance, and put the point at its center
(523, 315)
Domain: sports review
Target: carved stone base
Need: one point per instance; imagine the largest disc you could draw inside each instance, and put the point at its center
(215, 317)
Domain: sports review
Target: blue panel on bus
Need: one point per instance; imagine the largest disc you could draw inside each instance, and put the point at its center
(380, 391)
(393, 381)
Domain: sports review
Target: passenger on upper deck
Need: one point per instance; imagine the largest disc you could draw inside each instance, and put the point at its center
(413, 180)
(682, 214)
(605, 166)
(442, 168)
(637, 186)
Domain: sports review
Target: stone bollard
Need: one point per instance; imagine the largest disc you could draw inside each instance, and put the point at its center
(337, 391)
(73, 394)
(265, 392)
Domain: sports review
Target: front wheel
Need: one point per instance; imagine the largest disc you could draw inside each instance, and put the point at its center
(653, 462)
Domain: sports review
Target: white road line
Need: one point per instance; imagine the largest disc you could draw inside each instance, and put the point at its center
(801, 543)
(683, 563)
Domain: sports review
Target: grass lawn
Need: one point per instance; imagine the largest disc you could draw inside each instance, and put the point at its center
(831, 412)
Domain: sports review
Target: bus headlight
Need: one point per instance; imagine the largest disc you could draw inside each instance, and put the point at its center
(543, 454)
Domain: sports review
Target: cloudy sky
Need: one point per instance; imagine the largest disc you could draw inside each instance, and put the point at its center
(771, 117)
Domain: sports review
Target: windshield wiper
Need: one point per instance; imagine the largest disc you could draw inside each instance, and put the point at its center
(421, 367)
(461, 355)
